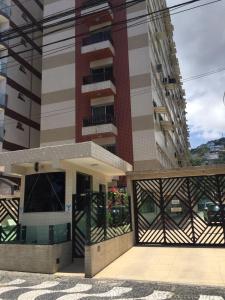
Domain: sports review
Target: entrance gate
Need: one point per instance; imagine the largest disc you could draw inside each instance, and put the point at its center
(180, 211)
(9, 218)
(87, 208)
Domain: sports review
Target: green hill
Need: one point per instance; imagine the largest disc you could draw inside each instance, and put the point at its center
(212, 152)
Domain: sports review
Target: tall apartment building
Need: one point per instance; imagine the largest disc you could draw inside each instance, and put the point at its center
(115, 82)
(20, 74)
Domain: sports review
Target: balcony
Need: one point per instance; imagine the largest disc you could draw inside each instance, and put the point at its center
(160, 110)
(99, 125)
(97, 12)
(167, 125)
(99, 85)
(3, 70)
(160, 36)
(170, 83)
(98, 46)
(5, 12)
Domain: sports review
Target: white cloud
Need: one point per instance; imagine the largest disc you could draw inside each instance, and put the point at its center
(206, 117)
(200, 39)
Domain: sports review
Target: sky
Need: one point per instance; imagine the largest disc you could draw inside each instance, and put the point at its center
(200, 39)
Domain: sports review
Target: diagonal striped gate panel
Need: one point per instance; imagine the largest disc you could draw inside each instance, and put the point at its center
(180, 211)
(9, 210)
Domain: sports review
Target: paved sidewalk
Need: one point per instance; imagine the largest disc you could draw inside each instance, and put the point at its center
(202, 266)
(24, 286)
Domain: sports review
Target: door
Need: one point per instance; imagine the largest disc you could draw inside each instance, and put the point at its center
(79, 214)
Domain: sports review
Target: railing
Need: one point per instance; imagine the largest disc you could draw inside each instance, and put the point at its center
(98, 77)
(169, 80)
(97, 218)
(3, 68)
(97, 38)
(4, 8)
(99, 120)
(91, 3)
(107, 218)
(38, 235)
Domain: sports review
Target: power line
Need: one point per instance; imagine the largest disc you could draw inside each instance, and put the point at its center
(118, 7)
(55, 16)
(126, 21)
(132, 2)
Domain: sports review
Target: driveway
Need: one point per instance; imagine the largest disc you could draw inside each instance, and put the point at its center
(201, 266)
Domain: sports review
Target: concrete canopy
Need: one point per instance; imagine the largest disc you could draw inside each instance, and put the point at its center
(88, 155)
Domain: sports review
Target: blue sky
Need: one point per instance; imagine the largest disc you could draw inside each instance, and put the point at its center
(200, 38)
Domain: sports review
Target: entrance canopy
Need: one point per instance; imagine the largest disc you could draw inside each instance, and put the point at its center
(86, 155)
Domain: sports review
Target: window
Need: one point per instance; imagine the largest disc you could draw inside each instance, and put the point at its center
(22, 69)
(19, 126)
(103, 113)
(44, 192)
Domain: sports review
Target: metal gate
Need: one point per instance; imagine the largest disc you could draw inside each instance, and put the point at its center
(87, 215)
(180, 211)
(9, 219)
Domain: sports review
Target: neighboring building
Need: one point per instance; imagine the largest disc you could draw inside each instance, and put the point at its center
(20, 75)
(116, 85)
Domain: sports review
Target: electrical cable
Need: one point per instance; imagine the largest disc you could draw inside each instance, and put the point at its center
(84, 34)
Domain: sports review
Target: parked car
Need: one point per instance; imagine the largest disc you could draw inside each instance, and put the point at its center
(212, 213)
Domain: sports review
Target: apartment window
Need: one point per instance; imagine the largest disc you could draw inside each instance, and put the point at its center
(102, 112)
(21, 97)
(19, 126)
(23, 69)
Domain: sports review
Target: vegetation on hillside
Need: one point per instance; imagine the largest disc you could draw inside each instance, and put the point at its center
(212, 152)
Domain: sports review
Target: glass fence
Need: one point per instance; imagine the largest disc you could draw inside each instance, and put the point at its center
(38, 235)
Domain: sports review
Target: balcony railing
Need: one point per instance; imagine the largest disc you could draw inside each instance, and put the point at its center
(169, 80)
(99, 120)
(3, 69)
(98, 77)
(97, 38)
(91, 3)
(5, 9)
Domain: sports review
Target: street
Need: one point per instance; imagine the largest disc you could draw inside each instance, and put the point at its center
(24, 286)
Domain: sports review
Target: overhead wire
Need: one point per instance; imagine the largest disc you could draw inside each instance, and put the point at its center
(46, 116)
(84, 34)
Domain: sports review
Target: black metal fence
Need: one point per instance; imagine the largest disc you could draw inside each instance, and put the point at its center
(97, 218)
(180, 211)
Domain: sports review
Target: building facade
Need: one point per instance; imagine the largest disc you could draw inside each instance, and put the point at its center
(116, 82)
(20, 74)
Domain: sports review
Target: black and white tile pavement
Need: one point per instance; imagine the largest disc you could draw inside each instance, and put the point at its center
(22, 286)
